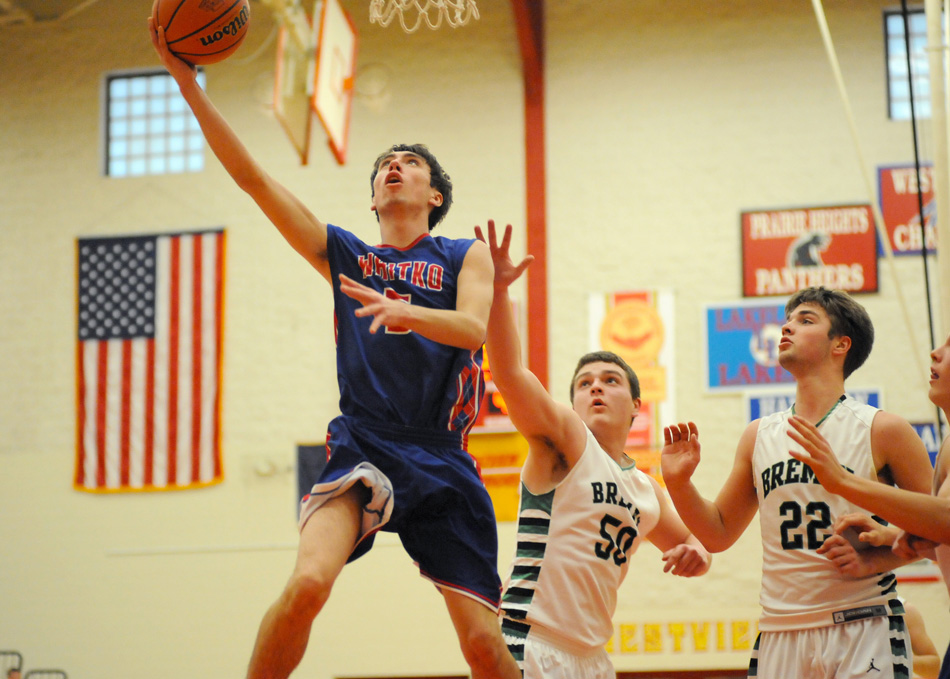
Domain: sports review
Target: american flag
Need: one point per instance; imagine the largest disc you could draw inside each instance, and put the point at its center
(148, 362)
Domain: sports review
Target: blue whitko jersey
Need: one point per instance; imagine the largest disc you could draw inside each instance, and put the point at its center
(397, 376)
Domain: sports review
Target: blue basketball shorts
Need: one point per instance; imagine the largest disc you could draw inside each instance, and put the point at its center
(424, 487)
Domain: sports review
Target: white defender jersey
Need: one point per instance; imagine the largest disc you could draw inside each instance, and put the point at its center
(573, 551)
(802, 589)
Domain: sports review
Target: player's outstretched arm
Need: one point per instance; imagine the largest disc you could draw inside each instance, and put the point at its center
(925, 653)
(305, 233)
(683, 554)
(910, 506)
(552, 429)
(717, 524)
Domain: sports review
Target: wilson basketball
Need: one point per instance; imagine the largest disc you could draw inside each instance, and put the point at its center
(202, 31)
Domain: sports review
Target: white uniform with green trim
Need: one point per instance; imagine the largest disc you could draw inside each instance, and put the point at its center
(801, 590)
(574, 545)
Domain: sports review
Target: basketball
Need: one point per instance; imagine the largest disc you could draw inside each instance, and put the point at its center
(202, 31)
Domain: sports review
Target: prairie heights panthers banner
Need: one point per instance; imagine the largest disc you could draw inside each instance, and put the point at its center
(786, 250)
(148, 362)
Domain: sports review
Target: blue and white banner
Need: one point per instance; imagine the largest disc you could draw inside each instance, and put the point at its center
(741, 342)
(762, 403)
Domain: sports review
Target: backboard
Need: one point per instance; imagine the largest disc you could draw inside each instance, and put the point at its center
(335, 66)
(292, 93)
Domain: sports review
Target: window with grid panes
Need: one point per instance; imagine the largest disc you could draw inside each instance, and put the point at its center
(148, 127)
(898, 78)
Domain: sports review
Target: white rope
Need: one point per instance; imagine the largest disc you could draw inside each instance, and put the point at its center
(869, 185)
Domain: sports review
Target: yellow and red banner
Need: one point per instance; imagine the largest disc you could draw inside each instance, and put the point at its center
(637, 325)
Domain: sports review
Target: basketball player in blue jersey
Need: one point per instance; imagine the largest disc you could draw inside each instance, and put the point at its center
(922, 522)
(585, 507)
(816, 623)
(411, 318)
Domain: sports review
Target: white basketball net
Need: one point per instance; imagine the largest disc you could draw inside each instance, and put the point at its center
(412, 13)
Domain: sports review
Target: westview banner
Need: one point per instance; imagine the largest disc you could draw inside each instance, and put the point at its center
(900, 207)
(786, 250)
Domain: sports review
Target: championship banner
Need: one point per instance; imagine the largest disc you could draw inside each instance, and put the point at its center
(741, 343)
(638, 327)
(898, 192)
(148, 362)
(784, 251)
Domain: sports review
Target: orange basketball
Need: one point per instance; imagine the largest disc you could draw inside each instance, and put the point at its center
(202, 31)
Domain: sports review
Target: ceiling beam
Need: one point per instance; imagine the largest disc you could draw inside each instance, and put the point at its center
(529, 23)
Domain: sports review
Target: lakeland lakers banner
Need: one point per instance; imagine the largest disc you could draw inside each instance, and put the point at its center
(784, 251)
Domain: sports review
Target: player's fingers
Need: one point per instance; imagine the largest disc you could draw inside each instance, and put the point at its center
(667, 435)
(525, 263)
(853, 519)
(801, 456)
(683, 431)
(674, 433)
(506, 239)
(479, 235)
(798, 438)
(492, 235)
(801, 428)
(831, 543)
(693, 430)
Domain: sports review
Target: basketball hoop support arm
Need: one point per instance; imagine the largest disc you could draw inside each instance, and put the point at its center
(290, 14)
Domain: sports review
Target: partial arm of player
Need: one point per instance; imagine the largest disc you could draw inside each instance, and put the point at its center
(910, 506)
(552, 429)
(926, 656)
(463, 327)
(683, 554)
(717, 524)
(853, 562)
(305, 233)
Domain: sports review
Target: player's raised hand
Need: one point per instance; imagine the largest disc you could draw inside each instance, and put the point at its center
(680, 455)
(817, 453)
(179, 69)
(386, 312)
(506, 271)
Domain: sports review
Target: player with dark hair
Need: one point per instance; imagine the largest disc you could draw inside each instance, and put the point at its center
(816, 622)
(585, 507)
(411, 318)
(921, 522)
(438, 178)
